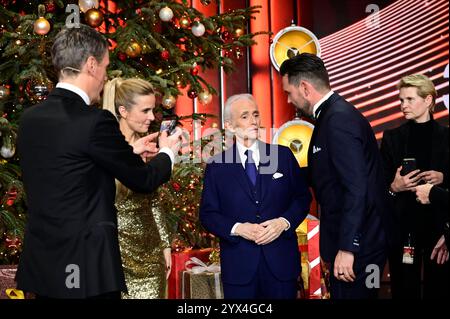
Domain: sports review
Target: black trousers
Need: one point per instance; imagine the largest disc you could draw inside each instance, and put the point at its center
(358, 289)
(406, 280)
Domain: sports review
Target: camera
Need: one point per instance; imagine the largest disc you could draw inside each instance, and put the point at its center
(408, 165)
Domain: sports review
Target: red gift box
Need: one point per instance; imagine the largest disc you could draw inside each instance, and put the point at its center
(308, 234)
(179, 260)
(315, 291)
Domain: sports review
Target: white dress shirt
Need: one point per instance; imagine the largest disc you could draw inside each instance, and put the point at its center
(322, 100)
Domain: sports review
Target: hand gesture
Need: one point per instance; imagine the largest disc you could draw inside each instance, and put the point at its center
(272, 230)
(146, 145)
(406, 182)
(423, 193)
(343, 266)
(432, 177)
(440, 251)
(173, 141)
(168, 260)
(248, 231)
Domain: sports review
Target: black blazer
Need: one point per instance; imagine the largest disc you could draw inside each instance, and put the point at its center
(347, 176)
(394, 149)
(70, 154)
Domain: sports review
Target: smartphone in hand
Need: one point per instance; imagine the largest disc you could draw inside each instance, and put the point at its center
(168, 125)
(408, 165)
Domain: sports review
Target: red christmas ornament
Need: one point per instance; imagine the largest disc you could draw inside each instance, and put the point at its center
(225, 36)
(165, 55)
(121, 56)
(194, 71)
(11, 195)
(176, 186)
(50, 7)
(13, 242)
(192, 94)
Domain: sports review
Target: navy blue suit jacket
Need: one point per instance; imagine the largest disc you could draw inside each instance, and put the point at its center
(346, 174)
(228, 198)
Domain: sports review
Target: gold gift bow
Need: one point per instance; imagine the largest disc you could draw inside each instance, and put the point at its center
(14, 293)
(201, 268)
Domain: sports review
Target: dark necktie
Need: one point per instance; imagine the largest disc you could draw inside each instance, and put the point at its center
(250, 167)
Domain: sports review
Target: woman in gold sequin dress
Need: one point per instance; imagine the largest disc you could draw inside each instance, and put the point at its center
(143, 235)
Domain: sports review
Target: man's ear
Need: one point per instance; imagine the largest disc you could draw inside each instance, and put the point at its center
(123, 112)
(91, 64)
(304, 87)
(228, 126)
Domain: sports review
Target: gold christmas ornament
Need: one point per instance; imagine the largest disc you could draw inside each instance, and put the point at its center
(94, 17)
(134, 49)
(85, 5)
(4, 92)
(185, 23)
(168, 101)
(41, 26)
(296, 135)
(205, 97)
(238, 32)
(290, 42)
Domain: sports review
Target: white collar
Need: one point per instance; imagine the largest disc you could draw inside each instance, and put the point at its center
(323, 99)
(76, 90)
(254, 148)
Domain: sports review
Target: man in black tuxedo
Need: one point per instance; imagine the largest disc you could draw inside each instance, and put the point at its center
(347, 177)
(70, 154)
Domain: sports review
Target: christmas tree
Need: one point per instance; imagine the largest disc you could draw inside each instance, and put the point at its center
(168, 43)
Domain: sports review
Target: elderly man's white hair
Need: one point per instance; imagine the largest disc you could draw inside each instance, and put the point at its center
(231, 100)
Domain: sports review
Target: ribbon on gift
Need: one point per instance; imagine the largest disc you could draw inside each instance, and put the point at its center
(14, 293)
(201, 267)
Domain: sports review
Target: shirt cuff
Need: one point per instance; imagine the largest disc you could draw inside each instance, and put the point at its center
(169, 152)
(232, 233)
(287, 222)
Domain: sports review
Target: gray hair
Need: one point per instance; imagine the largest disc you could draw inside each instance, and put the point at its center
(73, 46)
(231, 100)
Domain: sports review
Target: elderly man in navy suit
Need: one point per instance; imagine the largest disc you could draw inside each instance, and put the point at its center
(254, 197)
(347, 177)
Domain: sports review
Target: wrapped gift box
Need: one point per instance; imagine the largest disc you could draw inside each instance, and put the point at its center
(205, 285)
(7, 275)
(201, 281)
(8, 284)
(179, 260)
(308, 240)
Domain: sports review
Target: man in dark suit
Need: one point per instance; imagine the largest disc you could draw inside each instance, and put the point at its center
(254, 197)
(347, 177)
(70, 154)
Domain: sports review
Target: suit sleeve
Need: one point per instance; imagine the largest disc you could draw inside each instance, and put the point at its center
(301, 196)
(387, 156)
(346, 147)
(210, 215)
(109, 150)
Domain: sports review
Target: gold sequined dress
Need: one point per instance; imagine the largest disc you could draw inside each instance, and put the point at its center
(143, 235)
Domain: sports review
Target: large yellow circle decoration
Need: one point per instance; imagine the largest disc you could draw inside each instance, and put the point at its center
(296, 135)
(290, 42)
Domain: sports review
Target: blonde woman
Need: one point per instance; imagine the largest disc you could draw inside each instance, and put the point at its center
(143, 234)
